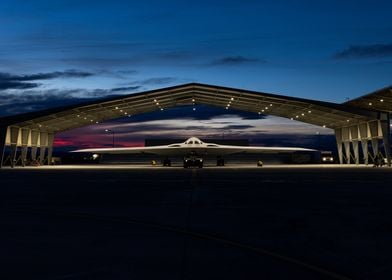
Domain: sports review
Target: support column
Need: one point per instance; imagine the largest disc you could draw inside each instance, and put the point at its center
(373, 128)
(376, 150)
(364, 143)
(363, 136)
(25, 139)
(347, 151)
(34, 143)
(356, 151)
(14, 144)
(50, 147)
(354, 135)
(338, 136)
(43, 139)
(386, 130)
(3, 134)
(346, 138)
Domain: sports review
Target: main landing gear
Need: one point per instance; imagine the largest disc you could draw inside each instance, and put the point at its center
(220, 161)
(166, 162)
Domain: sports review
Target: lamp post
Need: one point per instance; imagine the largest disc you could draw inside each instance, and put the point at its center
(112, 132)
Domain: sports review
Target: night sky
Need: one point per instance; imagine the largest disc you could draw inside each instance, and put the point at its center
(61, 52)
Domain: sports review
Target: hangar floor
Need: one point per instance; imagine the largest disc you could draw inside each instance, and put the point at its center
(236, 222)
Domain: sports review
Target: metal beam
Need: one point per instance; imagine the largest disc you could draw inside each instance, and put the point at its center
(356, 151)
(338, 136)
(25, 139)
(50, 147)
(347, 151)
(43, 140)
(364, 144)
(3, 135)
(386, 130)
(14, 131)
(34, 144)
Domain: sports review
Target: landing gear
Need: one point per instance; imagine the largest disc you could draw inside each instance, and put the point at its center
(166, 162)
(220, 161)
(193, 160)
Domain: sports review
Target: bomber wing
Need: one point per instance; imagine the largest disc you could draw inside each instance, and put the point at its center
(209, 149)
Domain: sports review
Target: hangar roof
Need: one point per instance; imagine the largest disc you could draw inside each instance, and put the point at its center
(380, 100)
(315, 112)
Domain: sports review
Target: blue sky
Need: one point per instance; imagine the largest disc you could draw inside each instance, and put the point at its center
(58, 52)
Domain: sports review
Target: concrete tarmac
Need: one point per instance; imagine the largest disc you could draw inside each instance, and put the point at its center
(234, 222)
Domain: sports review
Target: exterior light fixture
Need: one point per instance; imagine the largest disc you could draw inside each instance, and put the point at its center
(270, 105)
(227, 108)
(370, 103)
(297, 116)
(232, 98)
(348, 120)
(262, 110)
(157, 103)
(309, 111)
(259, 113)
(116, 108)
(97, 122)
(324, 126)
(85, 118)
(194, 109)
(161, 109)
(78, 116)
(125, 113)
(291, 118)
(121, 110)
(381, 100)
(193, 100)
(266, 108)
(302, 114)
(129, 116)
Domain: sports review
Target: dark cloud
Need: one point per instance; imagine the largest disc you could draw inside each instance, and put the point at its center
(154, 81)
(369, 51)
(16, 85)
(32, 101)
(11, 81)
(238, 126)
(234, 60)
(132, 88)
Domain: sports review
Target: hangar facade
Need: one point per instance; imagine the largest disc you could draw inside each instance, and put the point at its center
(356, 123)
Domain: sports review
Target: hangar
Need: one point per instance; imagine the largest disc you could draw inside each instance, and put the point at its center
(363, 120)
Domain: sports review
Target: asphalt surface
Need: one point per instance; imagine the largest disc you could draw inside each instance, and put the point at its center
(123, 222)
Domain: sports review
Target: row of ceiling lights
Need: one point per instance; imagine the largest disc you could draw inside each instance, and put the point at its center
(229, 103)
(158, 105)
(303, 114)
(116, 108)
(265, 108)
